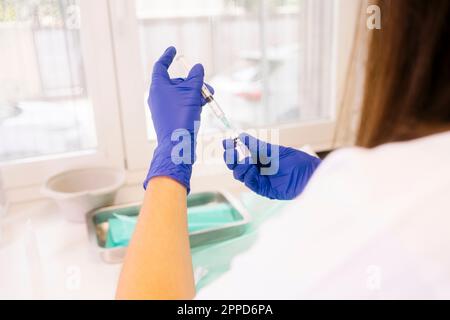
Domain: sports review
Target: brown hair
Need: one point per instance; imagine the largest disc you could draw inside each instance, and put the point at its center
(407, 92)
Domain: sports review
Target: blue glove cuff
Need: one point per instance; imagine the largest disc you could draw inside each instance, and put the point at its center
(163, 165)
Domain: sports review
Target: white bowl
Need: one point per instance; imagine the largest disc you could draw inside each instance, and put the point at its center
(79, 191)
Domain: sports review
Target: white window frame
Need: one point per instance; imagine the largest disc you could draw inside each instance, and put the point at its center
(115, 84)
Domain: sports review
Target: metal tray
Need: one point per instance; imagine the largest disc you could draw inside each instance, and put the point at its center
(198, 238)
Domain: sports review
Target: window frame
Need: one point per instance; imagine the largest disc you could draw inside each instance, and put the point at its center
(23, 178)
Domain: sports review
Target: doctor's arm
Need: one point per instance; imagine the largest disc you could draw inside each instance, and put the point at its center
(158, 262)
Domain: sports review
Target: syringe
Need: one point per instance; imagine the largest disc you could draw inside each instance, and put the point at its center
(243, 151)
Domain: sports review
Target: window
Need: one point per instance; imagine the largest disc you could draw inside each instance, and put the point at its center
(271, 62)
(253, 53)
(55, 90)
(75, 76)
(45, 108)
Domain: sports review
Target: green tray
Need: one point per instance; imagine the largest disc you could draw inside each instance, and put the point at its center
(216, 229)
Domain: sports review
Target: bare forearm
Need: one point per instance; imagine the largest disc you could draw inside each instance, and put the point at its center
(158, 264)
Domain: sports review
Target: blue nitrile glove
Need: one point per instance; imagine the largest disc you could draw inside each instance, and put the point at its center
(272, 171)
(175, 105)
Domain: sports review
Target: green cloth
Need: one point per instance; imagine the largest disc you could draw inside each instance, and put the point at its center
(209, 216)
(120, 230)
(215, 215)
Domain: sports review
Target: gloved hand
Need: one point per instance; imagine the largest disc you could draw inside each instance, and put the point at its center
(175, 105)
(272, 171)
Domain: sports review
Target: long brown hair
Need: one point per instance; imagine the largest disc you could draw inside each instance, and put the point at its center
(407, 93)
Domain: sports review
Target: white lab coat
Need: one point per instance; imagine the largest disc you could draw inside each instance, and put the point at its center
(371, 224)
